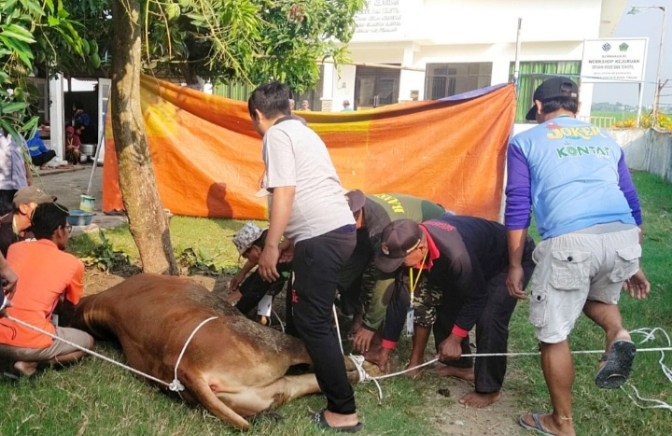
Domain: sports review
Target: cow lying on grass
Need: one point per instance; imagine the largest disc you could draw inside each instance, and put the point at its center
(234, 367)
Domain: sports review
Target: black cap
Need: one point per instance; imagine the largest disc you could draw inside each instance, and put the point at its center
(356, 200)
(552, 88)
(398, 240)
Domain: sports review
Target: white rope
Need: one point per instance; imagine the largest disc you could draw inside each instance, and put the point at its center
(175, 385)
(338, 329)
(649, 335)
(86, 350)
(282, 324)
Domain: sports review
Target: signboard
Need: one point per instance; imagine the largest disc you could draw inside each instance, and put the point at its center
(379, 17)
(613, 60)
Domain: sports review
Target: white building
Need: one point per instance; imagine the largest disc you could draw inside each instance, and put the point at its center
(445, 47)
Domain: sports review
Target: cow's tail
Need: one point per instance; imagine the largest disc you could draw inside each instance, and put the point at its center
(203, 394)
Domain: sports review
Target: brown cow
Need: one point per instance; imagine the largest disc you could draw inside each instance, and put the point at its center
(234, 367)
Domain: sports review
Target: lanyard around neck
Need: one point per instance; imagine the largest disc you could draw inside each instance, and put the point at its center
(414, 283)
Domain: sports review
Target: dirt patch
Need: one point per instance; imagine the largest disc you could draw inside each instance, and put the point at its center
(452, 418)
(97, 281)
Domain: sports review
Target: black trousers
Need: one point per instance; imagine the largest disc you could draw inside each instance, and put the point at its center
(350, 275)
(316, 264)
(6, 201)
(43, 158)
(492, 328)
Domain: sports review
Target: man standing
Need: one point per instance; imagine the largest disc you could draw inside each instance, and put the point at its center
(466, 258)
(14, 170)
(574, 177)
(307, 206)
(59, 275)
(15, 226)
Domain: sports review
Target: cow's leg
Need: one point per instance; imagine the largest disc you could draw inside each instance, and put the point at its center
(201, 391)
(252, 401)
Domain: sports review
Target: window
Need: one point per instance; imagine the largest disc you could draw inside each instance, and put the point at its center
(444, 80)
(531, 75)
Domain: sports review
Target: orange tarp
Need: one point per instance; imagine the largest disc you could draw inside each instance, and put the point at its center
(208, 162)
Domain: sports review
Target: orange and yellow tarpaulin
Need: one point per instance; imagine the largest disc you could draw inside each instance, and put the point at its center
(207, 157)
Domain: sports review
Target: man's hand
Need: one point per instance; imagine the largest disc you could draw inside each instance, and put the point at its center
(638, 286)
(450, 348)
(9, 287)
(514, 282)
(286, 251)
(362, 340)
(235, 282)
(268, 262)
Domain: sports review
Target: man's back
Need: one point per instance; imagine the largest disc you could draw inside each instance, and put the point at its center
(45, 273)
(382, 209)
(296, 156)
(575, 172)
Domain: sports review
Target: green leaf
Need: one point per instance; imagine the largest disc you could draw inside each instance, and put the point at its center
(50, 5)
(9, 129)
(185, 3)
(18, 36)
(8, 6)
(85, 47)
(33, 7)
(16, 106)
(53, 21)
(173, 11)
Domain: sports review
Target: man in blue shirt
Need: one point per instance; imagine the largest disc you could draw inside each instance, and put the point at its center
(39, 153)
(574, 177)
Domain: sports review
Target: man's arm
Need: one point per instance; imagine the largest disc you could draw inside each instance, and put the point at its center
(281, 209)
(75, 289)
(8, 274)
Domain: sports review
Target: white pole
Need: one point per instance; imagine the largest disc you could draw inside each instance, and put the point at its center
(656, 99)
(516, 71)
(639, 105)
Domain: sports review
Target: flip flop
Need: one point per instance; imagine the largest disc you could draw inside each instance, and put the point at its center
(537, 425)
(618, 364)
(322, 423)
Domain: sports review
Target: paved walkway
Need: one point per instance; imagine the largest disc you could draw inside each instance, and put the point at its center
(69, 184)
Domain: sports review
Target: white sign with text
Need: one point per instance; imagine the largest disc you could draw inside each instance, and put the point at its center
(613, 60)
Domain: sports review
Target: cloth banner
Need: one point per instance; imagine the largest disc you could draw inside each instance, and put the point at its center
(207, 157)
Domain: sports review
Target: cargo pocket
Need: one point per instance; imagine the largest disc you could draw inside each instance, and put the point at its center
(570, 270)
(538, 308)
(626, 263)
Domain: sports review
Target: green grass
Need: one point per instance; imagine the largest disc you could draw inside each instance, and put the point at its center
(612, 412)
(94, 397)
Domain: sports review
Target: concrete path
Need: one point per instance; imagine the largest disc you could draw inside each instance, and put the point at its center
(69, 184)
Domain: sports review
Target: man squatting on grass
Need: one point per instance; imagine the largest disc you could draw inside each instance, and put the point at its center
(574, 177)
(59, 278)
(308, 207)
(465, 262)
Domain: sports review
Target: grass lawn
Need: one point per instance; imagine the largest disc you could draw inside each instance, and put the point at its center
(95, 397)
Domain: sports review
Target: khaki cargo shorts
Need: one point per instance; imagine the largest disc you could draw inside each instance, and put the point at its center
(576, 267)
(57, 348)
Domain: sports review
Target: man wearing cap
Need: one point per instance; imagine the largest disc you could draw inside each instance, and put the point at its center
(467, 258)
(346, 106)
(307, 206)
(15, 226)
(360, 280)
(248, 291)
(573, 175)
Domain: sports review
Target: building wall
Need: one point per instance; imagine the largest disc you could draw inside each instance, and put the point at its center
(414, 33)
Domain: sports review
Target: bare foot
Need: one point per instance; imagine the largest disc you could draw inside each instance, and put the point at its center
(26, 368)
(478, 400)
(379, 357)
(466, 374)
(415, 373)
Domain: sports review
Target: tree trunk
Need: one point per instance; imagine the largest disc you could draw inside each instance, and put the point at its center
(146, 216)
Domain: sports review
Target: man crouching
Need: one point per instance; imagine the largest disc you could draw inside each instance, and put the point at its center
(46, 275)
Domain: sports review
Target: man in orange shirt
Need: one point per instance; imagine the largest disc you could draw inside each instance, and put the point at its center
(39, 291)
